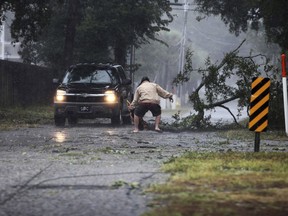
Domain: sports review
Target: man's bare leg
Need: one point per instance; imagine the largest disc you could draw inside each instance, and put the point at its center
(136, 124)
(157, 122)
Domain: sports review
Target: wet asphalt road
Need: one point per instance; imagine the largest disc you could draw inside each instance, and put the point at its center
(95, 168)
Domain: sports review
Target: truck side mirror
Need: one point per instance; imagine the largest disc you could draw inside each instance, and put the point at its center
(55, 81)
(126, 82)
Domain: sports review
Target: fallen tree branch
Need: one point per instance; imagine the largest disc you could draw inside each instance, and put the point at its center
(219, 103)
(224, 107)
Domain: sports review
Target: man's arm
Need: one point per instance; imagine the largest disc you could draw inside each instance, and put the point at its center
(135, 100)
(162, 92)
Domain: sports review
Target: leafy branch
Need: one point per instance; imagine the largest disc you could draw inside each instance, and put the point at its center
(223, 82)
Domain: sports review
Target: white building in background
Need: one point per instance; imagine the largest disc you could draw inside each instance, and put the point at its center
(8, 51)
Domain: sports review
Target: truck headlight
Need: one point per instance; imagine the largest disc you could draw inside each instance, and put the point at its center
(110, 96)
(60, 95)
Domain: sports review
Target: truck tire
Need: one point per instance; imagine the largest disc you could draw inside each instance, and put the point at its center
(115, 119)
(126, 120)
(72, 120)
(59, 121)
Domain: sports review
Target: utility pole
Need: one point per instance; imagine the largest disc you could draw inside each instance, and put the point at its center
(132, 65)
(186, 9)
(182, 49)
(184, 33)
(3, 41)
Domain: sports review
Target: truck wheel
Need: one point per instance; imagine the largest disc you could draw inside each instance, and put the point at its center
(72, 120)
(126, 120)
(59, 121)
(116, 119)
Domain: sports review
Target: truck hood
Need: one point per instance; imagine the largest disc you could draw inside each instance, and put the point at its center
(88, 88)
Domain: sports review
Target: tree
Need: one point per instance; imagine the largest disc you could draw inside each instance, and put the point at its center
(129, 22)
(119, 24)
(240, 15)
(88, 44)
(217, 85)
(73, 18)
(30, 18)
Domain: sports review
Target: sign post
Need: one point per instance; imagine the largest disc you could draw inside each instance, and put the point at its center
(257, 142)
(284, 81)
(259, 107)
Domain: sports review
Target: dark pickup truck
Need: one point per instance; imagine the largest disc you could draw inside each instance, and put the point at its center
(93, 91)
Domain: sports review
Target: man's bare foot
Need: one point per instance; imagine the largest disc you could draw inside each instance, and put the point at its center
(158, 130)
(135, 131)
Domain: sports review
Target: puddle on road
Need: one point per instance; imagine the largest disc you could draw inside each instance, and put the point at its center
(111, 132)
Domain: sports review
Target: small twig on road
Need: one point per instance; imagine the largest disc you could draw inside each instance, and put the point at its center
(99, 174)
(25, 185)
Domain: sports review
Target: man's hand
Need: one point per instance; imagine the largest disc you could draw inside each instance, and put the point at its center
(129, 105)
(130, 108)
(171, 99)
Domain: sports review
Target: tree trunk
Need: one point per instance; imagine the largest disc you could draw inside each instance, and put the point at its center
(72, 19)
(120, 52)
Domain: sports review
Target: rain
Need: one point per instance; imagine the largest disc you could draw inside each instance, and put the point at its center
(206, 37)
(69, 146)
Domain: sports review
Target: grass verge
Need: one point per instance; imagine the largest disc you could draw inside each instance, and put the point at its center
(245, 134)
(215, 184)
(16, 117)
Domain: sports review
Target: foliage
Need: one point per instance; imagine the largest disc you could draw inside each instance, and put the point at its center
(184, 76)
(30, 18)
(231, 183)
(82, 28)
(129, 22)
(227, 81)
(240, 15)
(191, 122)
(16, 117)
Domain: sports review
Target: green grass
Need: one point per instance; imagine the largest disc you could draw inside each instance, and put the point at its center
(16, 117)
(245, 134)
(223, 184)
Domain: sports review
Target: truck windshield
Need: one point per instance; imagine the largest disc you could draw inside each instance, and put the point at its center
(91, 75)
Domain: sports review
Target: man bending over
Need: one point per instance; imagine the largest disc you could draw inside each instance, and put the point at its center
(146, 99)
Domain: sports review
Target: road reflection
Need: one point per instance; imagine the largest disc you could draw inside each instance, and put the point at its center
(111, 132)
(60, 137)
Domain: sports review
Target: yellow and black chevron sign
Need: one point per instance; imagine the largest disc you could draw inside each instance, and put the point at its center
(259, 104)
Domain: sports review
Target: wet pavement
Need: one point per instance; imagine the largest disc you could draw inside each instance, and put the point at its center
(94, 168)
